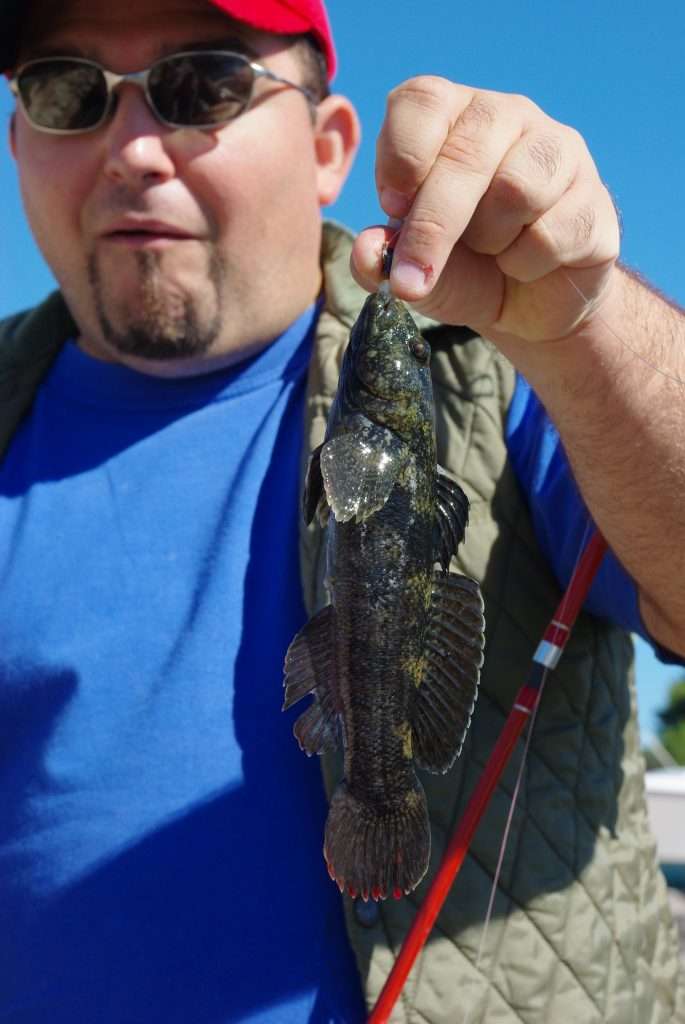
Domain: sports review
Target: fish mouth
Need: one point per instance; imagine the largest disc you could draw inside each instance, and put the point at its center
(384, 298)
(378, 305)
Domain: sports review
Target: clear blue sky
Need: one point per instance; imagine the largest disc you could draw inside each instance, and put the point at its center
(614, 72)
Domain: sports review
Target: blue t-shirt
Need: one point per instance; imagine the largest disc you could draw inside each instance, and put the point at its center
(160, 831)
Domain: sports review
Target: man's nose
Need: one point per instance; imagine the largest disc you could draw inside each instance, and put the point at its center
(136, 142)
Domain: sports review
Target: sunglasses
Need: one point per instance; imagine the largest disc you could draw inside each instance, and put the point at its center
(195, 89)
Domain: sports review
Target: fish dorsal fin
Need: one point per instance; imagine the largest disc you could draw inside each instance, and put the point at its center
(310, 668)
(360, 468)
(451, 518)
(444, 700)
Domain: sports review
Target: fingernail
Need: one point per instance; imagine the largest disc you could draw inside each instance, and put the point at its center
(394, 203)
(408, 277)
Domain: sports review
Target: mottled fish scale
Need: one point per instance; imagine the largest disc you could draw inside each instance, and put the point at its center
(395, 657)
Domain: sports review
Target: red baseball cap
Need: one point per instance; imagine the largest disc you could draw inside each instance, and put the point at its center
(286, 17)
(283, 17)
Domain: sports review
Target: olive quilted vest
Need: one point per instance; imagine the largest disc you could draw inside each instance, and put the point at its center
(581, 932)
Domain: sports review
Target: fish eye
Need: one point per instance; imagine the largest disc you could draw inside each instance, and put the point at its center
(421, 349)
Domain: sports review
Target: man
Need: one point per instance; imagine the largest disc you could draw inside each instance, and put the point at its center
(161, 832)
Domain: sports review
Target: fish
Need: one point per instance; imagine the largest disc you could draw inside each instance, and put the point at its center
(393, 661)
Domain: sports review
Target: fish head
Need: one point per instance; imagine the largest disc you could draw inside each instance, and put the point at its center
(388, 371)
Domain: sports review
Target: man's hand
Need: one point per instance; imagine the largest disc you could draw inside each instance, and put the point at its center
(509, 229)
(503, 208)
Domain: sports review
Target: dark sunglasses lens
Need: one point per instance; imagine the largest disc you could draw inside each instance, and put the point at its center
(64, 95)
(200, 88)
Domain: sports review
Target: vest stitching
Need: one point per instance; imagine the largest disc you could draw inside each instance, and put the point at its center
(586, 741)
(530, 819)
(489, 982)
(578, 816)
(545, 938)
(404, 995)
(534, 824)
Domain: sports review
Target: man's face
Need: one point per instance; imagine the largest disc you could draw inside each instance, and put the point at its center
(227, 254)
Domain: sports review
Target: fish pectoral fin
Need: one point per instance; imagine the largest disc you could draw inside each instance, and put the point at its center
(313, 486)
(444, 701)
(451, 518)
(359, 470)
(310, 668)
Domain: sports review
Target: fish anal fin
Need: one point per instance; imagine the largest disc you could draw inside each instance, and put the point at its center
(310, 668)
(444, 701)
(451, 519)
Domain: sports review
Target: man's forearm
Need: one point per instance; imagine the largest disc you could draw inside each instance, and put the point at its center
(616, 391)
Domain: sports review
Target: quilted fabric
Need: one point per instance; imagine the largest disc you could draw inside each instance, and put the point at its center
(580, 928)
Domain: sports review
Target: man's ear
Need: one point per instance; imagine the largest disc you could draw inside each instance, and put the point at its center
(336, 137)
(12, 134)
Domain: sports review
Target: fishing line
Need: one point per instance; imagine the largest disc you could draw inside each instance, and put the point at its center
(519, 777)
(507, 828)
(638, 355)
(546, 656)
(526, 705)
(504, 843)
(505, 836)
(674, 377)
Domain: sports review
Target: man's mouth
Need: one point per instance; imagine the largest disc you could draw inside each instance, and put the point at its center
(145, 234)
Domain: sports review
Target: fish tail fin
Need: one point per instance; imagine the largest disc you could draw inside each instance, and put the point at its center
(375, 854)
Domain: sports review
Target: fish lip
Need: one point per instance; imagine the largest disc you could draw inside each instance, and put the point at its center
(384, 294)
(368, 318)
(382, 298)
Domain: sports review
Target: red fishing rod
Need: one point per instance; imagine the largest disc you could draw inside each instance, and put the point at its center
(546, 658)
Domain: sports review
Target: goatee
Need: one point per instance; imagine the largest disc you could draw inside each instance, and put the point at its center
(160, 325)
